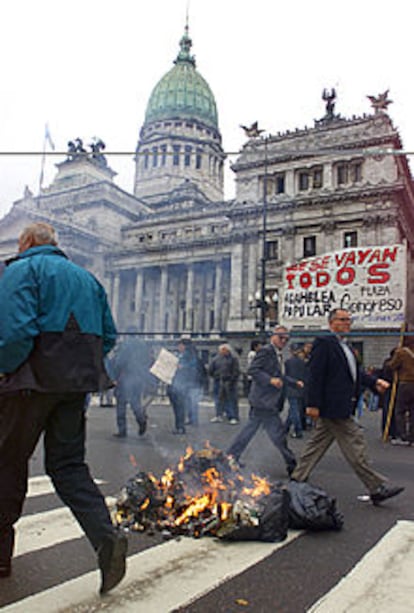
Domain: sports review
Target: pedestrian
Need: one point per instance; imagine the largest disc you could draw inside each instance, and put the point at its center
(266, 399)
(225, 371)
(130, 369)
(336, 380)
(402, 363)
(181, 390)
(296, 369)
(255, 346)
(388, 413)
(55, 328)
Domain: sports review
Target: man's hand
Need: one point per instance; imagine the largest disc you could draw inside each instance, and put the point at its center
(276, 382)
(300, 384)
(381, 385)
(312, 412)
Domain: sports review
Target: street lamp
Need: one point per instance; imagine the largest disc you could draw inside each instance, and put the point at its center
(263, 308)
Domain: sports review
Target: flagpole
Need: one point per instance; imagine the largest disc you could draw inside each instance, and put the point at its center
(42, 163)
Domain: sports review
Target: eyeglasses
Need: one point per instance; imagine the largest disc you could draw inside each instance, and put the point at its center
(282, 337)
(344, 318)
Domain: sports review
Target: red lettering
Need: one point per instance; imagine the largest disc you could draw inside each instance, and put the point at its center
(322, 278)
(345, 275)
(305, 280)
(289, 279)
(377, 274)
(362, 255)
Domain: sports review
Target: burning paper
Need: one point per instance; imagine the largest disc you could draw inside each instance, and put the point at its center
(205, 495)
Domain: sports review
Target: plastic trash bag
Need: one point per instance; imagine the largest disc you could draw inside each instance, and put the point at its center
(311, 508)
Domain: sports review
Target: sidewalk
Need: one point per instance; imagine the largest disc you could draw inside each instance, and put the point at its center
(381, 582)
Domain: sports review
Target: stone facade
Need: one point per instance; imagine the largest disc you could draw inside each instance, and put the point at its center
(176, 258)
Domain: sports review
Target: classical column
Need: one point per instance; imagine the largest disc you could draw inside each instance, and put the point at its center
(235, 311)
(163, 298)
(218, 294)
(115, 295)
(189, 296)
(139, 284)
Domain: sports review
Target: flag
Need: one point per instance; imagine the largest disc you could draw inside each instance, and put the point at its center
(48, 138)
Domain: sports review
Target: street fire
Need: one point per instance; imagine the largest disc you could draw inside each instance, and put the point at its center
(205, 495)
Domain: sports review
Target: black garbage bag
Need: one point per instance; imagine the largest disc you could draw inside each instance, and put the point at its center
(311, 508)
(267, 521)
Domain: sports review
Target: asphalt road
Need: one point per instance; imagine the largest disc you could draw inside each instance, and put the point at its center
(291, 579)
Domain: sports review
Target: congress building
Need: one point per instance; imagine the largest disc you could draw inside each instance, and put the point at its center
(322, 217)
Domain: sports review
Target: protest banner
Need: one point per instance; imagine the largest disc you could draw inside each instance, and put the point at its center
(369, 282)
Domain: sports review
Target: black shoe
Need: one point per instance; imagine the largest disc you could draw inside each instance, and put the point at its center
(290, 469)
(5, 569)
(386, 491)
(179, 431)
(142, 427)
(112, 561)
(119, 435)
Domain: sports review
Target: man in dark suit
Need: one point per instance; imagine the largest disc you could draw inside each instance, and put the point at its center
(266, 399)
(336, 380)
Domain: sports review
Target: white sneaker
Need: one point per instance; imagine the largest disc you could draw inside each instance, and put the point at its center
(217, 419)
(233, 421)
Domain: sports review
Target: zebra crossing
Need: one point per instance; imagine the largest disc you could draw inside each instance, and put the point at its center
(165, 577)
(185, 568)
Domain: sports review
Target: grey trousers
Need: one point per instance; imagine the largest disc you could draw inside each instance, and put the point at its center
(351, 440)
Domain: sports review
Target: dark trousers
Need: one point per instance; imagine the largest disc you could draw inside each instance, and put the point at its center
(23, 418)
(404, 411)
(179, 402)
(274, 428)
(128, 395)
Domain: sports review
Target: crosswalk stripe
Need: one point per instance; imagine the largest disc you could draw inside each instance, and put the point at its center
(158, 579)
(46, 529)
(382, 581)
(42, 485)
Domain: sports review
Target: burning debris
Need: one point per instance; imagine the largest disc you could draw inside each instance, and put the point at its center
(205, 495)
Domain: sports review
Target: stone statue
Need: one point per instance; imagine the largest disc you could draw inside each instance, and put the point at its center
(97, 146)
(329, 97)
(75, 148)
(380, 103)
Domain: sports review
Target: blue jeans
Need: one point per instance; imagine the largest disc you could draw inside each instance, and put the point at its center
(125, 395)
(295, 415)
(273, 425)
(23, 418)
(225, 399)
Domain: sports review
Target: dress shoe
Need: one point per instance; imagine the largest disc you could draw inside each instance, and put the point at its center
(112, 561)
(384, 492)
(142, 426)
(5, 569)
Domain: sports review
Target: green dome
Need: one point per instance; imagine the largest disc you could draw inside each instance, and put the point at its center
(182, 92)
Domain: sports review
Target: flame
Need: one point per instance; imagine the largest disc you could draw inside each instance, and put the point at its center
(145, 504)
(197, 506)
(188, 454)
(261, 487)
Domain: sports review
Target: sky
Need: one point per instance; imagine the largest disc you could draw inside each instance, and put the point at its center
(87, 68)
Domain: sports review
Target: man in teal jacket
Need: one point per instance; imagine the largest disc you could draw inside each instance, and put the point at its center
(55, 328)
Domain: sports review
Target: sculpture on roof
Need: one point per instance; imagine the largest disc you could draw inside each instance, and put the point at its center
(253, 130)
(329, 97)
(97, 146)
(380, 103)
(75, 148)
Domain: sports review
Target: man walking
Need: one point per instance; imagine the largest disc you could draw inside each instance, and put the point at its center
(335, 384)
(266, 399)
(225, 370)
(55, 328)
